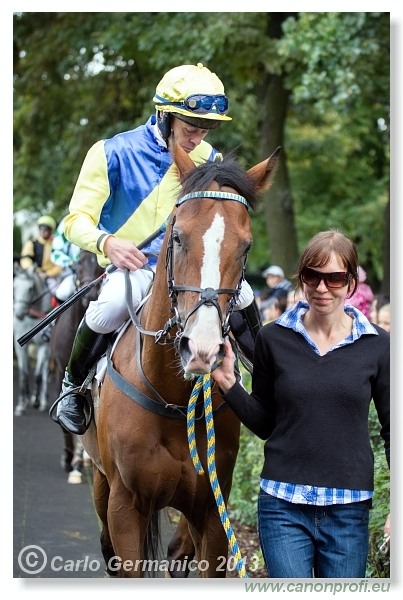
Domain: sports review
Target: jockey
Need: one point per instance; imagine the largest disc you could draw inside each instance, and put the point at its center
(126, 189)
(64, 254)
(38, 251)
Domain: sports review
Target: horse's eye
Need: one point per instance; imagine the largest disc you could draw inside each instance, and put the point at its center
(176, 238)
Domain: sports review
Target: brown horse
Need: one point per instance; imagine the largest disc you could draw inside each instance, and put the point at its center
(138, 442)
(86, 269)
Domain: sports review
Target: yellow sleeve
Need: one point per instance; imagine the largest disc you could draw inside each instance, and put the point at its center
(26, 252)
(48, 266)
(89, 196)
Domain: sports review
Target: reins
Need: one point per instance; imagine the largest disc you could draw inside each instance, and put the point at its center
(205, 382)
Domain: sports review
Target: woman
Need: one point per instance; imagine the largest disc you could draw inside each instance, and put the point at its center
(316, 369)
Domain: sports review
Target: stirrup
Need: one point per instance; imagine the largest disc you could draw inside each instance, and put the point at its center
(87, 402)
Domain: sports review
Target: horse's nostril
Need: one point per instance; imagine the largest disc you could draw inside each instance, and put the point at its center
(184, 351)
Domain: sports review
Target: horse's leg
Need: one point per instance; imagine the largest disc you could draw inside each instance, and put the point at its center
(211, 545)
(127, 528)
(23, 380)
(39, 398)
(101, 499)
(68, 450)
(76, 474)
(37, 378)
(181, 550)
(45, 359)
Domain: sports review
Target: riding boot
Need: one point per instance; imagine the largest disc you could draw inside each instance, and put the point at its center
(88, 347)
(245, 325)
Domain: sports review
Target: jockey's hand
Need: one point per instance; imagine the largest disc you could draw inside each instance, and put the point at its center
(224, 374)
(124, 254)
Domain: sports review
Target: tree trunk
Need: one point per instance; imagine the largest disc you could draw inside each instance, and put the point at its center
(278, 201)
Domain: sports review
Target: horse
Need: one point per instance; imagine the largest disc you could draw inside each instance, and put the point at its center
(61, 342)
(138, 439)
(31, 301)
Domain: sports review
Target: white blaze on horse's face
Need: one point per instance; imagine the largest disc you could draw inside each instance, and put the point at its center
(204, 333)
(212, 240)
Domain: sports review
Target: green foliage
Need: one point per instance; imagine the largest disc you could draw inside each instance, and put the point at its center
(17, 240)
(245, 483)
(80, 77)
(378, 563)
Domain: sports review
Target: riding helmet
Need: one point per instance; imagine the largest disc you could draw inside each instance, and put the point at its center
(187, 81)
(47, 221)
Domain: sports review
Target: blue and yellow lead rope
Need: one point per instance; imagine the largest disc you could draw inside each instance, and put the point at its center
(205, 382)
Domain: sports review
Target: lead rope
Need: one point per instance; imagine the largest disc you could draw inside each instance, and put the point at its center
(205, 382)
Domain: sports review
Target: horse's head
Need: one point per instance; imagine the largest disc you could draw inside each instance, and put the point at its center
(25, 290)
(210, 236)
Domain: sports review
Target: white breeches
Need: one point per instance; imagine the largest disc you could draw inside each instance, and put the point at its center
(109, 312)
(66, 288)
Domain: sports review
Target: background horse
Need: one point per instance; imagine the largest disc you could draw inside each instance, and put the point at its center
(61, 342)
(31, 301)
(138, 442)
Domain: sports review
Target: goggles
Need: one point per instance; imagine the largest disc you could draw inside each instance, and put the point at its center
(339, 279)
(201, 104)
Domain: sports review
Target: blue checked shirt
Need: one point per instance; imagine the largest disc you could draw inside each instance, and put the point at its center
(310, 494)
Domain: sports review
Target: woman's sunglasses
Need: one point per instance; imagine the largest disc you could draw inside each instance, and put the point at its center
(313, 278)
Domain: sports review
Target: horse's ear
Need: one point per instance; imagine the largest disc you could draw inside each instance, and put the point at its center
(182, 160)
(262, 173)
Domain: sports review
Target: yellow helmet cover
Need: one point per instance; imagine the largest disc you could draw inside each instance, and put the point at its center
(184, 81)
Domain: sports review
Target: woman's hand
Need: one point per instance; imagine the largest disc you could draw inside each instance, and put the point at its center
(224, 374)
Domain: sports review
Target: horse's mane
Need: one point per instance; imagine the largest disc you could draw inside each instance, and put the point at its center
(226, 173)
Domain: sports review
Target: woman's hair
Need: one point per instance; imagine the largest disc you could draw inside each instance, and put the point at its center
(319, 250)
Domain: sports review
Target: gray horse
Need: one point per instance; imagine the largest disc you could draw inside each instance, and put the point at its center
(31, 302)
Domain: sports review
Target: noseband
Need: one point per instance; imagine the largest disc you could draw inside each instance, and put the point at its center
(208, 296)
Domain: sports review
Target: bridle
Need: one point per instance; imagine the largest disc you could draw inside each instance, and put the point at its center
(208, 296)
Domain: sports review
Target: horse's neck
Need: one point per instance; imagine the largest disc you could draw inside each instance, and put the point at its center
(159, 360)
(157, 310)
(42, 293)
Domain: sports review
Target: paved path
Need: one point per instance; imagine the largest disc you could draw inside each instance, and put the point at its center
(55, 517)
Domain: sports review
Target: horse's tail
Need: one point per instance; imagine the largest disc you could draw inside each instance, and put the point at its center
(152, 542)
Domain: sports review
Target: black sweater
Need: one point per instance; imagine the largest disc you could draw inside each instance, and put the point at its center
(313, 410)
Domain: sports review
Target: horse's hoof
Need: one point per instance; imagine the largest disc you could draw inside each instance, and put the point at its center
(74, 477)
(19, 411)
(43, 408)
(34, 403)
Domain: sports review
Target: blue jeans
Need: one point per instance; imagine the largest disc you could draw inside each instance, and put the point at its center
(304, 541)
